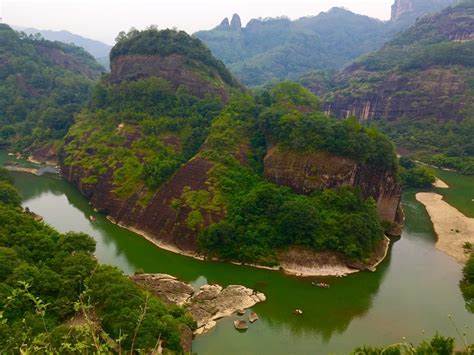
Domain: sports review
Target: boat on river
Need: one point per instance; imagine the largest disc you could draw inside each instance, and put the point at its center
(320, 284)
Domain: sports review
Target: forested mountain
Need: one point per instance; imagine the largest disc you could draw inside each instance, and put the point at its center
(42, 85)
(96, 48)
(172, 146)
(278, 48)
(419, 88)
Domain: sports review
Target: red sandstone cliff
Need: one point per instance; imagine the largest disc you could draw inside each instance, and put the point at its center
(305, 173)
(172, 68)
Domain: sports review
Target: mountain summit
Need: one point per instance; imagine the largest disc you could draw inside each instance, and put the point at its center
(411, 9)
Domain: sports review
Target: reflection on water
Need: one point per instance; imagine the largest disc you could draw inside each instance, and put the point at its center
(412, 291)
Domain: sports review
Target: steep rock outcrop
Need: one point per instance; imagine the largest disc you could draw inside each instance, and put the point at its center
(425, 93)
(416, 8)
(423, 73)
(55, 56)
(172, 68)
(305, 173)
(236, 23)
(158, 221)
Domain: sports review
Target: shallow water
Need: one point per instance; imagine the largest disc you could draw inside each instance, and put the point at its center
(411, 294)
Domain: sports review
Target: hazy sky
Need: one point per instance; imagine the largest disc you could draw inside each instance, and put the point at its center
(103, 19)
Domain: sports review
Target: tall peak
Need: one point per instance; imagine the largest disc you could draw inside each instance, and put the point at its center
(417, 8)
(224, 24)
(236, 23)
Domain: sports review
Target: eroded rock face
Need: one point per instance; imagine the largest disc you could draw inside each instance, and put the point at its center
(305, 173)
(172, 68)
(166, 287)
(424, 93)
(59, 58)
(158, 220)
(206, 306)
(414, 8)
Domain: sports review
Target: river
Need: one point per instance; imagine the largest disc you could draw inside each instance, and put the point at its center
(410, 295)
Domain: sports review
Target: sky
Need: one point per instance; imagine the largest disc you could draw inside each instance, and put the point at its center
(103, 19)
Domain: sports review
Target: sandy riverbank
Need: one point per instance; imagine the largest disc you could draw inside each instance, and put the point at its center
(452, 227)
(440, 184)
(312, 268)
(21, 169)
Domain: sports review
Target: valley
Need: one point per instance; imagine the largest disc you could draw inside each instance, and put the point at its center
(382, 308)
(285, 186)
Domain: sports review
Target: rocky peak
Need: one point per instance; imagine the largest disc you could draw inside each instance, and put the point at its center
(417, 8)
(236, 23)
(224, 25)
(401, 7)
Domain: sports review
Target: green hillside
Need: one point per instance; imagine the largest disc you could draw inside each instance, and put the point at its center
(42, 85)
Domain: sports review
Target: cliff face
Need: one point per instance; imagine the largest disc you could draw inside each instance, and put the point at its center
(171, 68)
(424, 73)
(305, 173)
(57, 57)
(421, 94)
(417, 8)
(158, 220)
(401, 7)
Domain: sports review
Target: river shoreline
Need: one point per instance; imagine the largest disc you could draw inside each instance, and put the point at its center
(452, 228)
(334, 269)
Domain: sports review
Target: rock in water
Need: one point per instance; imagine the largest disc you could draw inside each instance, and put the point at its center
(209, 304)
(240, 324)
(253, 317)
(241, 312)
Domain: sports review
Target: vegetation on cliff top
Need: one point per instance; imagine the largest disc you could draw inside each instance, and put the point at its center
(168, 42)
(56, 298)
(38, 97)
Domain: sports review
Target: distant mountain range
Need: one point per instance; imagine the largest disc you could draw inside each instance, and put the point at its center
(277, 48)
(98, 49)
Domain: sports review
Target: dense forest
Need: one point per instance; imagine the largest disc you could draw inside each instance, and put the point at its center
(56, 298)
(42, 85)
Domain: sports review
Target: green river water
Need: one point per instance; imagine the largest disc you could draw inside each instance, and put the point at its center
(410, 295)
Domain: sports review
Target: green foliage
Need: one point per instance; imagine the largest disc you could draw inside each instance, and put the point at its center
(438, 345)
(47, 277)
(467, 283)
(147, 131)
(38, 97)
(296, 126)
(412, 175)
(448, 144)
(168, 42)
(262, 218)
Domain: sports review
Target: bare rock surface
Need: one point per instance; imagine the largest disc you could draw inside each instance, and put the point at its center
(166, 287)
(208, 304)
